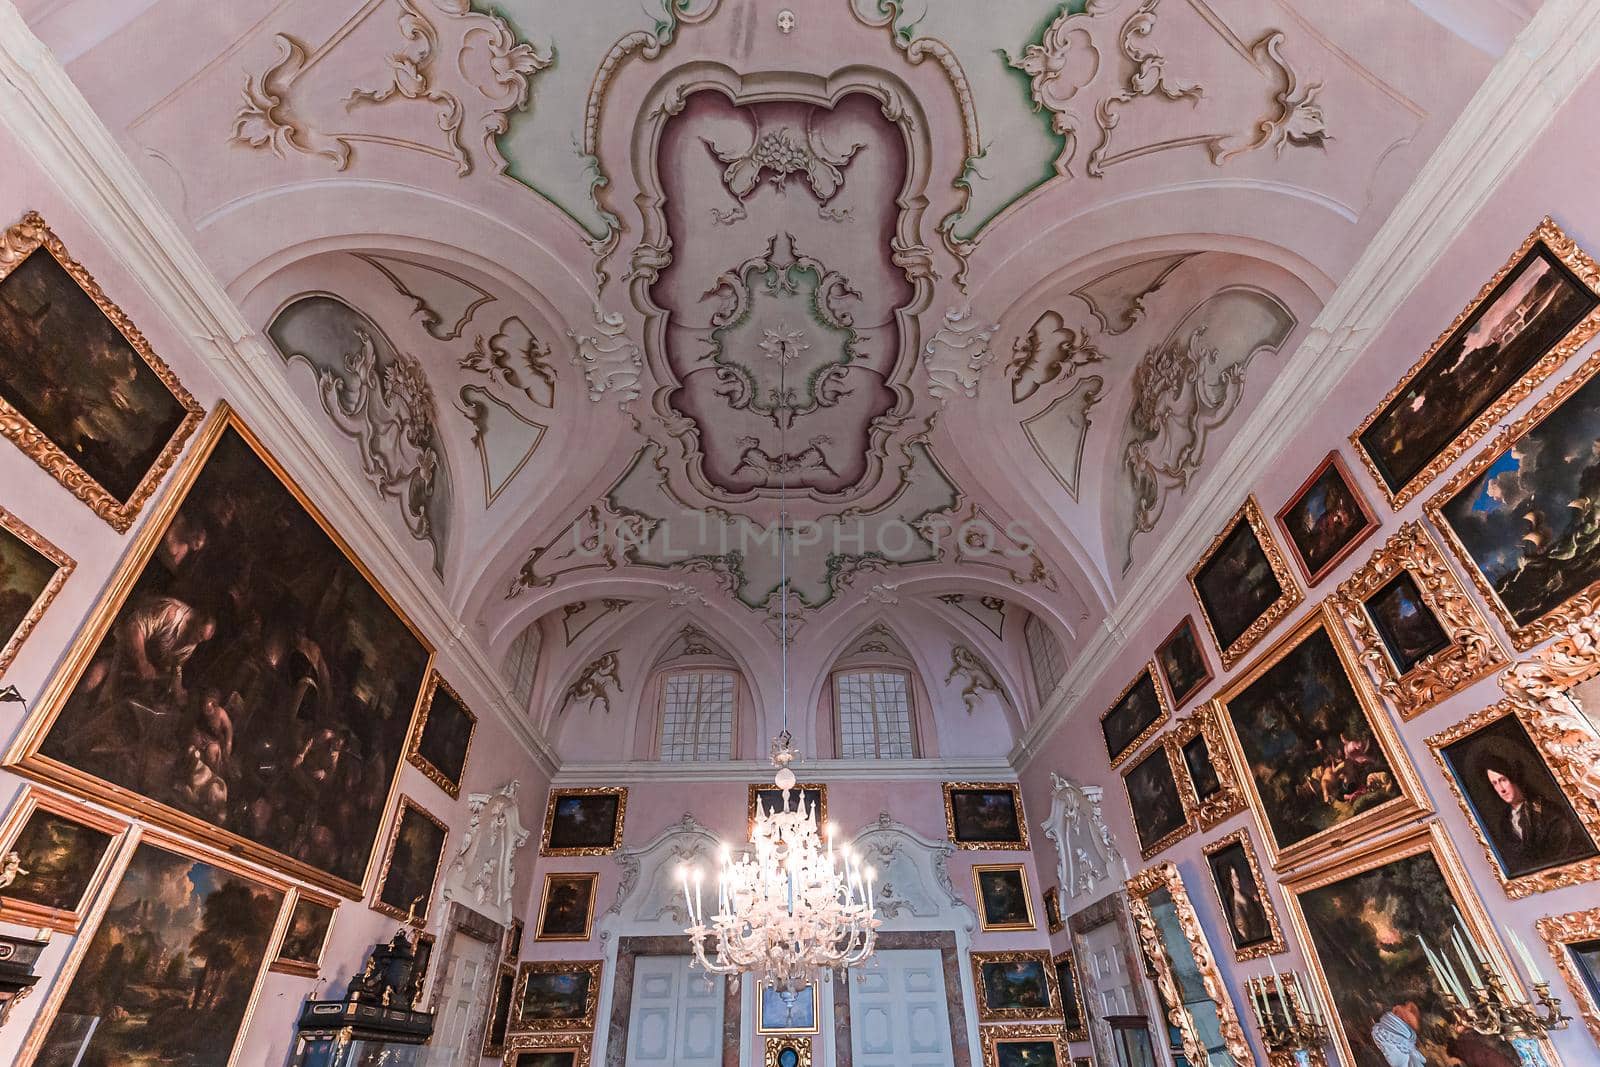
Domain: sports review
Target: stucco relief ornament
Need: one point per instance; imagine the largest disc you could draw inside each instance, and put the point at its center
(515, 357)
(979, 678)
(1085, 854)
(594, 684)
(956, 356)
(1049, 350)
(610, 362)
(1547, 686)
(780, 155)
(484, 872)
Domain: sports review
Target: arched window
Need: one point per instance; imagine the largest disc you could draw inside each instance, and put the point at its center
(1044, 655)
(697, 710)
(873, 711)
(522, 662)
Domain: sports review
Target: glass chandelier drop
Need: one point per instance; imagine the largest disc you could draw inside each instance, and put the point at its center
(792, 904)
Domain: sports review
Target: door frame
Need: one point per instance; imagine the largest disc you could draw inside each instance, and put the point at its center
(629, 949)
(955, 994)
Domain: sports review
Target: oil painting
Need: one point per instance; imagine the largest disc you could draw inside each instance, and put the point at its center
(556, 995)
(1138, 712)
(170, 973)
(985, 815)
(548, 1050)
(1488, 359)
(1246, 909)
(1182, 662)
(788, 1011)
(498, 1020)
(1159, 815)
(245, 679)
(443, 736)
(1315, 746)
(32, 572)
(411, 867)
(1002, 894)
(583, 822)
(1024, 1045)
(1574, 943)
(566, 910)
(81, 391)
(1366, 921)
(1053, 923)
(1405, 623)
(1243, 584)
(310, 921)
(63, 850)
(1073, 1026)
(1015, 986)
(1325, 519)
(812, 796)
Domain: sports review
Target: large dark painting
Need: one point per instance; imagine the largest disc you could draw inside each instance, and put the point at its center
(1158, 811)
(170, 973)
(1015, 985)
(1243, 584)
(1326, 519)
(80, 390)
(584, 822)
(556, 996)
(32, 571)
(985, 815)
(1182, 662)
(416, 849)
(1133, 717)
(444, 736)
(1528, 521)
(812, 796)
(251, 681)
(1526, 315)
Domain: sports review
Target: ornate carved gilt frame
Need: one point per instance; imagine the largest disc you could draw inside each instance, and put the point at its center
(1178, 701)
(1576, 260)
(1368, 528)
(995, 1036)
(618, 791)
(1473, 651)
(491, 1049)
(1140, 888)
(1429, 837)
(580, 1045)
(593, 879)
(16, 245)
(1164, 750)
(1587, 810)
(1053, 923)
(33, 800)
(24, 756)
(1228, 800)
(1273, 945)
(821, 788)
(305, 968)
(419, 919)
(11, 643)
(1543, 688)
(515, 1025)
(1410, 804)
(434, 774)
(1558, 932)
(773, 1048)
(1081, 1032)
(1132, 747)
(988, 1014)
(950, 788)
(984, 924)
(1291, 595)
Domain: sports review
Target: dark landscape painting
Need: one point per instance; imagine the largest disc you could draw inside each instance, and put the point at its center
(568, 904)
(1153, 795)
(986, 817)
(1139, 708)
(542, 1058)
(1003, 898)
(1025, 1054)
(1071, 1000)
(1515, 800)
(1530, 522)
(307, 933)
(1526, 315)
(585, 820)
(1202, 772)
(1016, 986)
(1182, 662)
(251, 678)
(168, 976)
(75, 379)
(1308, 745)
(1405, 623)
(1364, 932)
(1326, 519)
(1243, 905)
(444, 738)
(59, 857)
(25, 576)
(554, 997)
(412, 865)
(494, 1040)
(1236, 586)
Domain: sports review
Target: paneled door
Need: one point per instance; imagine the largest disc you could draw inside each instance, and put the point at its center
(1107, 986)
(676, 1016)
(463, 1001)
(899, 1016)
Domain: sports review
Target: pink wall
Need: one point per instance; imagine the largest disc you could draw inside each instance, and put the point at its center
(1547, 181)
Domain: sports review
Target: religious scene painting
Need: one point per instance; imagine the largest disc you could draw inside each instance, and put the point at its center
(1242, 584)
(1134, 717)
(1002, 893)
(1159, 815)
(248, 679)
(62, 851)
(1326, 519)
(556, 996)
(1015, 985)
(411, 867)
(81, 391)
(788, 1011)
(583, 822)
(1182, 662)
(169, 974)
(567, 908)
(443, 736)
(1493, 355)
(985, 815)
(32, 571)
(310, 920)
(1252, 924)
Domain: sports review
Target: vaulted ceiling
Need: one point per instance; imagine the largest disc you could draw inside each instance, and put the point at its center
(973, 291)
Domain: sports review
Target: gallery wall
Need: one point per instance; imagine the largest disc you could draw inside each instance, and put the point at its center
(1550, 179)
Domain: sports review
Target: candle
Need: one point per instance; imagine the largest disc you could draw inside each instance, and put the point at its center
(1527, 957)
(699, 907)
(872, 875)
(1452, 980)
(683, 879)
(1478, 955)
(1277, 981)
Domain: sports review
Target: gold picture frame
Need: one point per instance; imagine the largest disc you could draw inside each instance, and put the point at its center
(1410, 804)
(417, 917)
(282, 964)
(1140, 888)
(500, 998)
(1053, 922)
(11, 644)
(1551, 690)
(1335, 462)
(1473, 651)
(513, 944)
(593, 879)
(1564, 249)
(1147, 672)
(580, 1045)
(989, 1013)
(761, 1016)
(62, 920)
(1019, 843)
(1559, 931)
(19, 242)
(1290, 595)
(436, 775)
(1275, 944)
(1228, 800)
(1021, 870)
(1163, 751)
(584, 1022)
(773, 1049)
(755, 790)
(1583, 807)
(559, 793)
(995, 1036)
(1081, 1031)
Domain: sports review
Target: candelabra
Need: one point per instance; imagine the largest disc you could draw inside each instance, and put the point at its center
(1290, 1019)
(1488, 1000)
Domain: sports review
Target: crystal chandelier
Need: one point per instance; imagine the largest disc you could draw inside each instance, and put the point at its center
(791, 905)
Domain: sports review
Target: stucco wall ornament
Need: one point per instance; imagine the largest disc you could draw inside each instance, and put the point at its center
(483, 874)
(432, 293)
(976, 674)
(914, 881)
(1049, 351)
(1086, 856)
(649, 891)
(780, 154)
(515, 357)
(1558, 687)
(610, 361)
(595, 683)
(956, 356)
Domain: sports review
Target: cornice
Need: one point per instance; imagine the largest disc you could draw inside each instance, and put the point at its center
(1550, 58)
(991, 768)
(44, 110)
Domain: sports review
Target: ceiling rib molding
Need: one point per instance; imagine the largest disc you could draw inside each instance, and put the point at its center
(43, 109)
(1546, 63)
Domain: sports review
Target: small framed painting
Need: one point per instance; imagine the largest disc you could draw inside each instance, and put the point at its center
(1206, 779)
(549, 1050)
(310, 923)
(787, 1052)
(1183, 663)
(556, 995)
(1243, 584)
(1574, 941)
(1325, 519)
(566, 911)
(584, 822)
(812, 796)
(411, 866)
(985, 815)
(1241, 891)
(1159, 815)
(443, 736)
(1052, 910)
(1074, 1026)
(788, 1011)
(1024, 1046)
(1001, 891)
(1135, 716)
(56, 853)
(498, 1020)
(1015, 986)
(32, 572)
(514, 941)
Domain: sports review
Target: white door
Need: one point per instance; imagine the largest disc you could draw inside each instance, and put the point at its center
(463, 1001)
(899, 1016)
(1107, 986)
(676, 1017)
